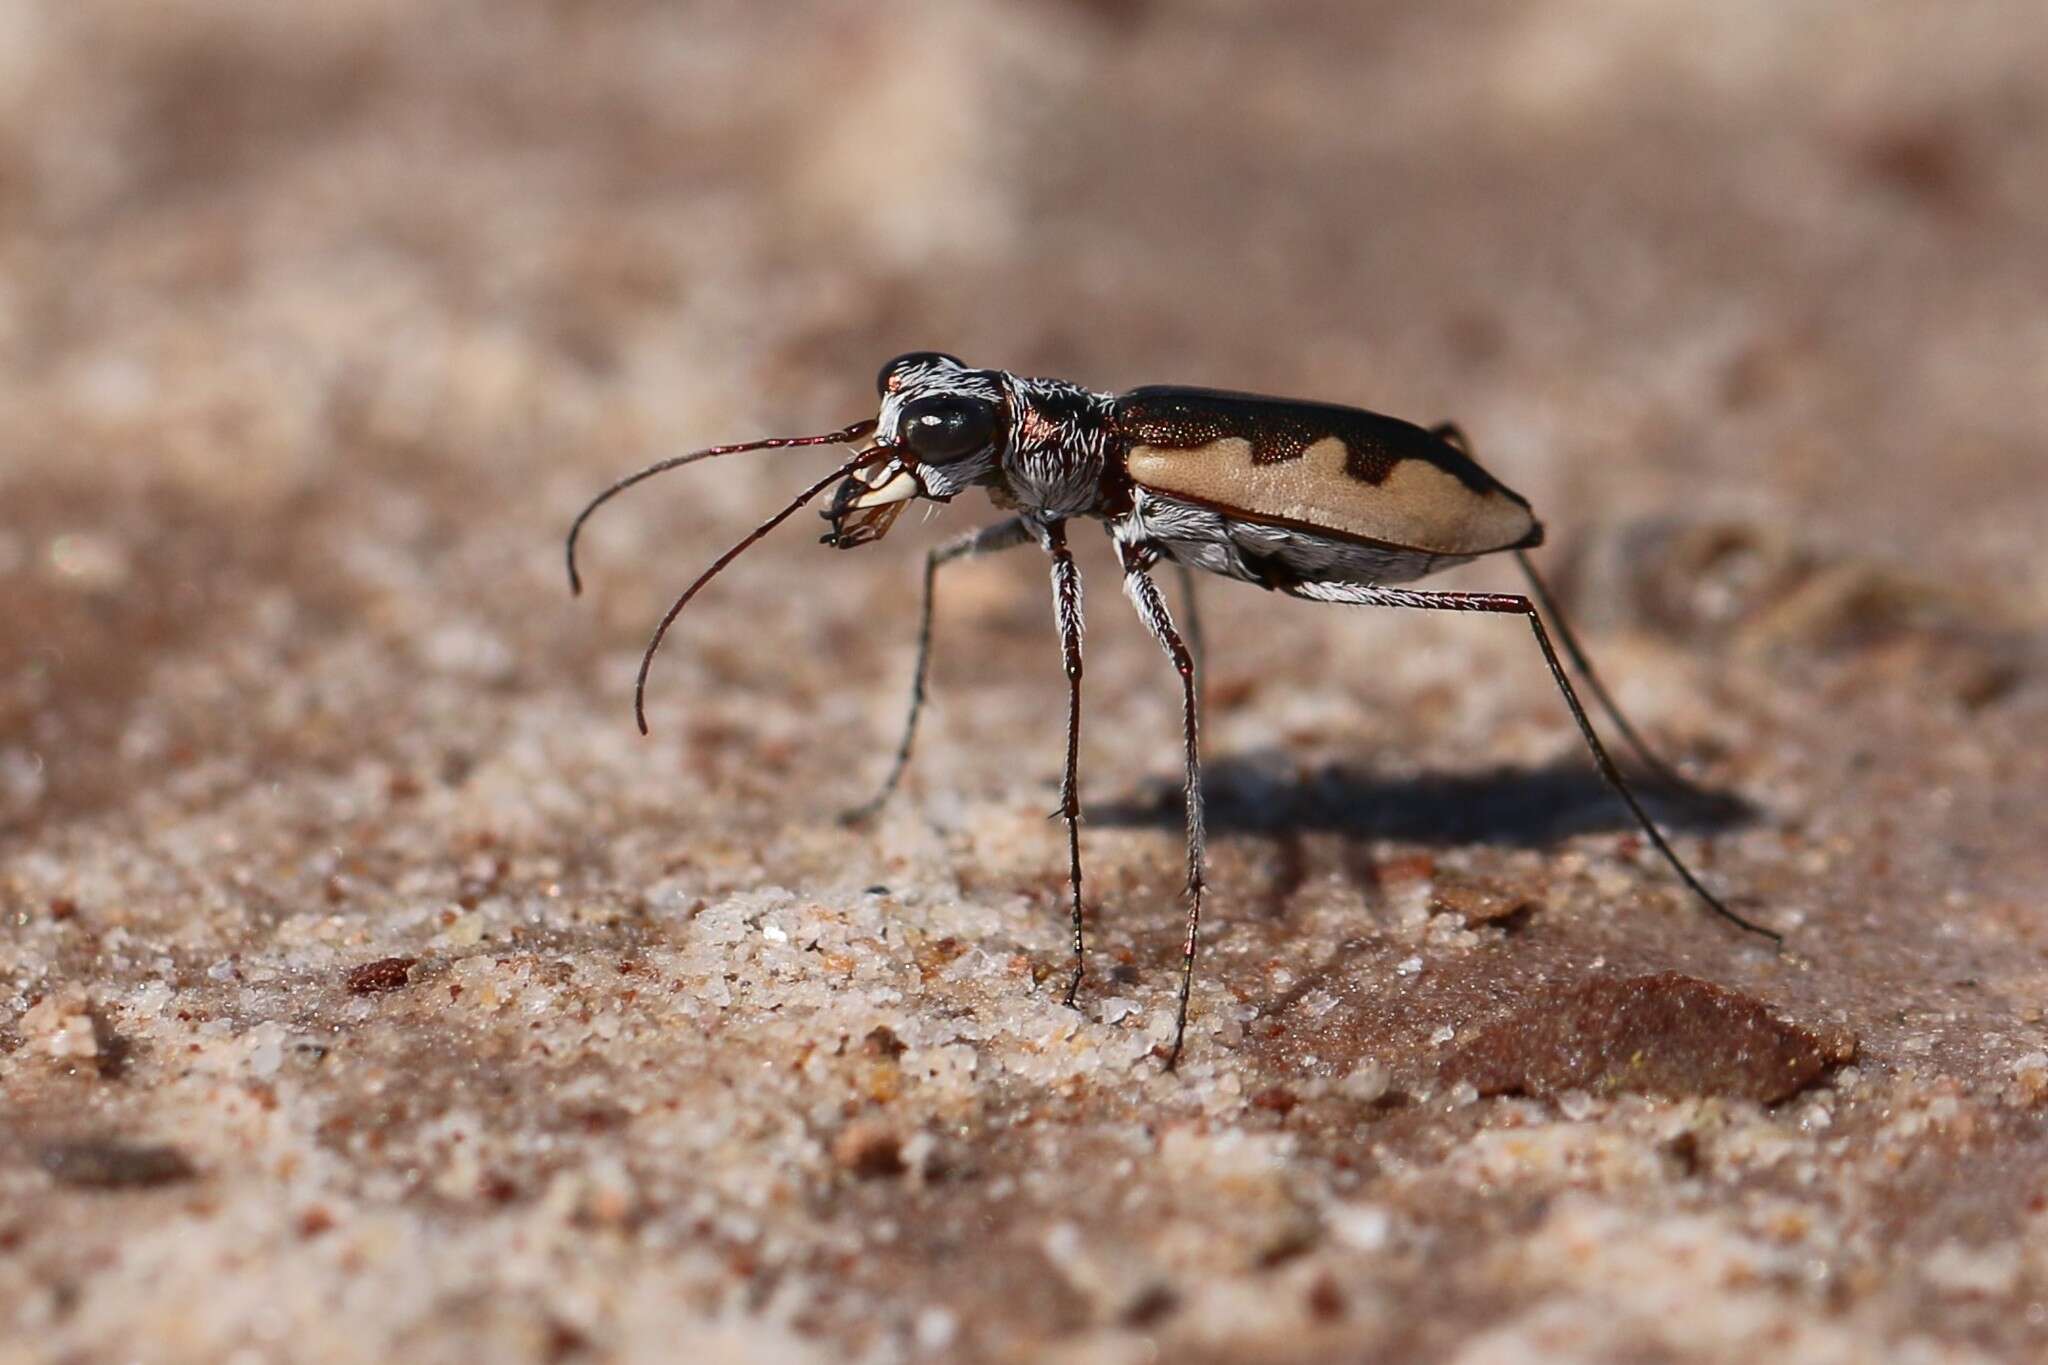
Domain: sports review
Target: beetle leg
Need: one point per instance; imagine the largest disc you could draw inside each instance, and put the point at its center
(1144, 595)
(1197, 644)
(1513, 604)
(981, 541)
(1662, 771)
(1066, 597)
(1452, 434)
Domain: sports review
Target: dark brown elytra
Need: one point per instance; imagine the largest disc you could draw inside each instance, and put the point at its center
(1163, 469)
(1187, 419)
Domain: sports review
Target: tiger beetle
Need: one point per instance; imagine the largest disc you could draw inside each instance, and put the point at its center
(1314, 500)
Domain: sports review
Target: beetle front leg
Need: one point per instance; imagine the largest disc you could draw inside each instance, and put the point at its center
(1066, 597)
(981, 541)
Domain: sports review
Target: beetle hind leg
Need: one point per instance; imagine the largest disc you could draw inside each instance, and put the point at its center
(1513, 604)
(1657, 767)
(1453, 435)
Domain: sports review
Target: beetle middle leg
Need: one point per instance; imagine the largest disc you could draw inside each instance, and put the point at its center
(1197, 644)
(1144, 595)
(982, 541)
(1513, 604)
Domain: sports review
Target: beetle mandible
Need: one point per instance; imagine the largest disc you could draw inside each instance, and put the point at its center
(1314, 500)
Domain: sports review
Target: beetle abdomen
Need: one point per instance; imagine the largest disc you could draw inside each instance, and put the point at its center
(1273, 554)
(1334, 470)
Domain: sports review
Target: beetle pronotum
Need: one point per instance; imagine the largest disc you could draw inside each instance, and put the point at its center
(1328, 503)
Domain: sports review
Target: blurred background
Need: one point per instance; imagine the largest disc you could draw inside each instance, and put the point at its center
(318, 322)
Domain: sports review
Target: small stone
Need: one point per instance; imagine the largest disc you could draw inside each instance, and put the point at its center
(61, 1024)
(1366, 1084)
(1150, 1306)
(1362, 1227)
(89, 561)
(266, 1050)
(1407, 867)
(105, 1164)
(1276, 1099)
(1665, 1034)
(2029, 1080)
(1117, 1008)
(1325, 1301)
(869, 1149)
(1062, 1243)
(1481, 901)
(935, 1329)
(882, 1041)
(1986, 1272)
(385, 974)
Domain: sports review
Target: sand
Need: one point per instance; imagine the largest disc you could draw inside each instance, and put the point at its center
(371, 990)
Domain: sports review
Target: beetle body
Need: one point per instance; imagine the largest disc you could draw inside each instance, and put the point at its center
(1315, 500)
(1271, 491)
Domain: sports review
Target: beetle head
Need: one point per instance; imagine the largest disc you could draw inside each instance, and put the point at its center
(944, 427)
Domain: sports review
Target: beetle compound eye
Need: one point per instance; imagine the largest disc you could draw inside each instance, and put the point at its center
(939, 429)
(885, 380)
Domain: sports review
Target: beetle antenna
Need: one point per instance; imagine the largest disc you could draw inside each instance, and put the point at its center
(1662, 771)
(839, 437)
(654, 645)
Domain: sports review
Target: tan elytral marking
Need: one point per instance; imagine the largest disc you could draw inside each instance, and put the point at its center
(1418, 506)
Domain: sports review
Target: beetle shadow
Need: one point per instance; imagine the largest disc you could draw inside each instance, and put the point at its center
(1262, 794)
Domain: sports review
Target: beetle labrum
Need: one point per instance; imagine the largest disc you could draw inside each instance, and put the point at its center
(1317, 501)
